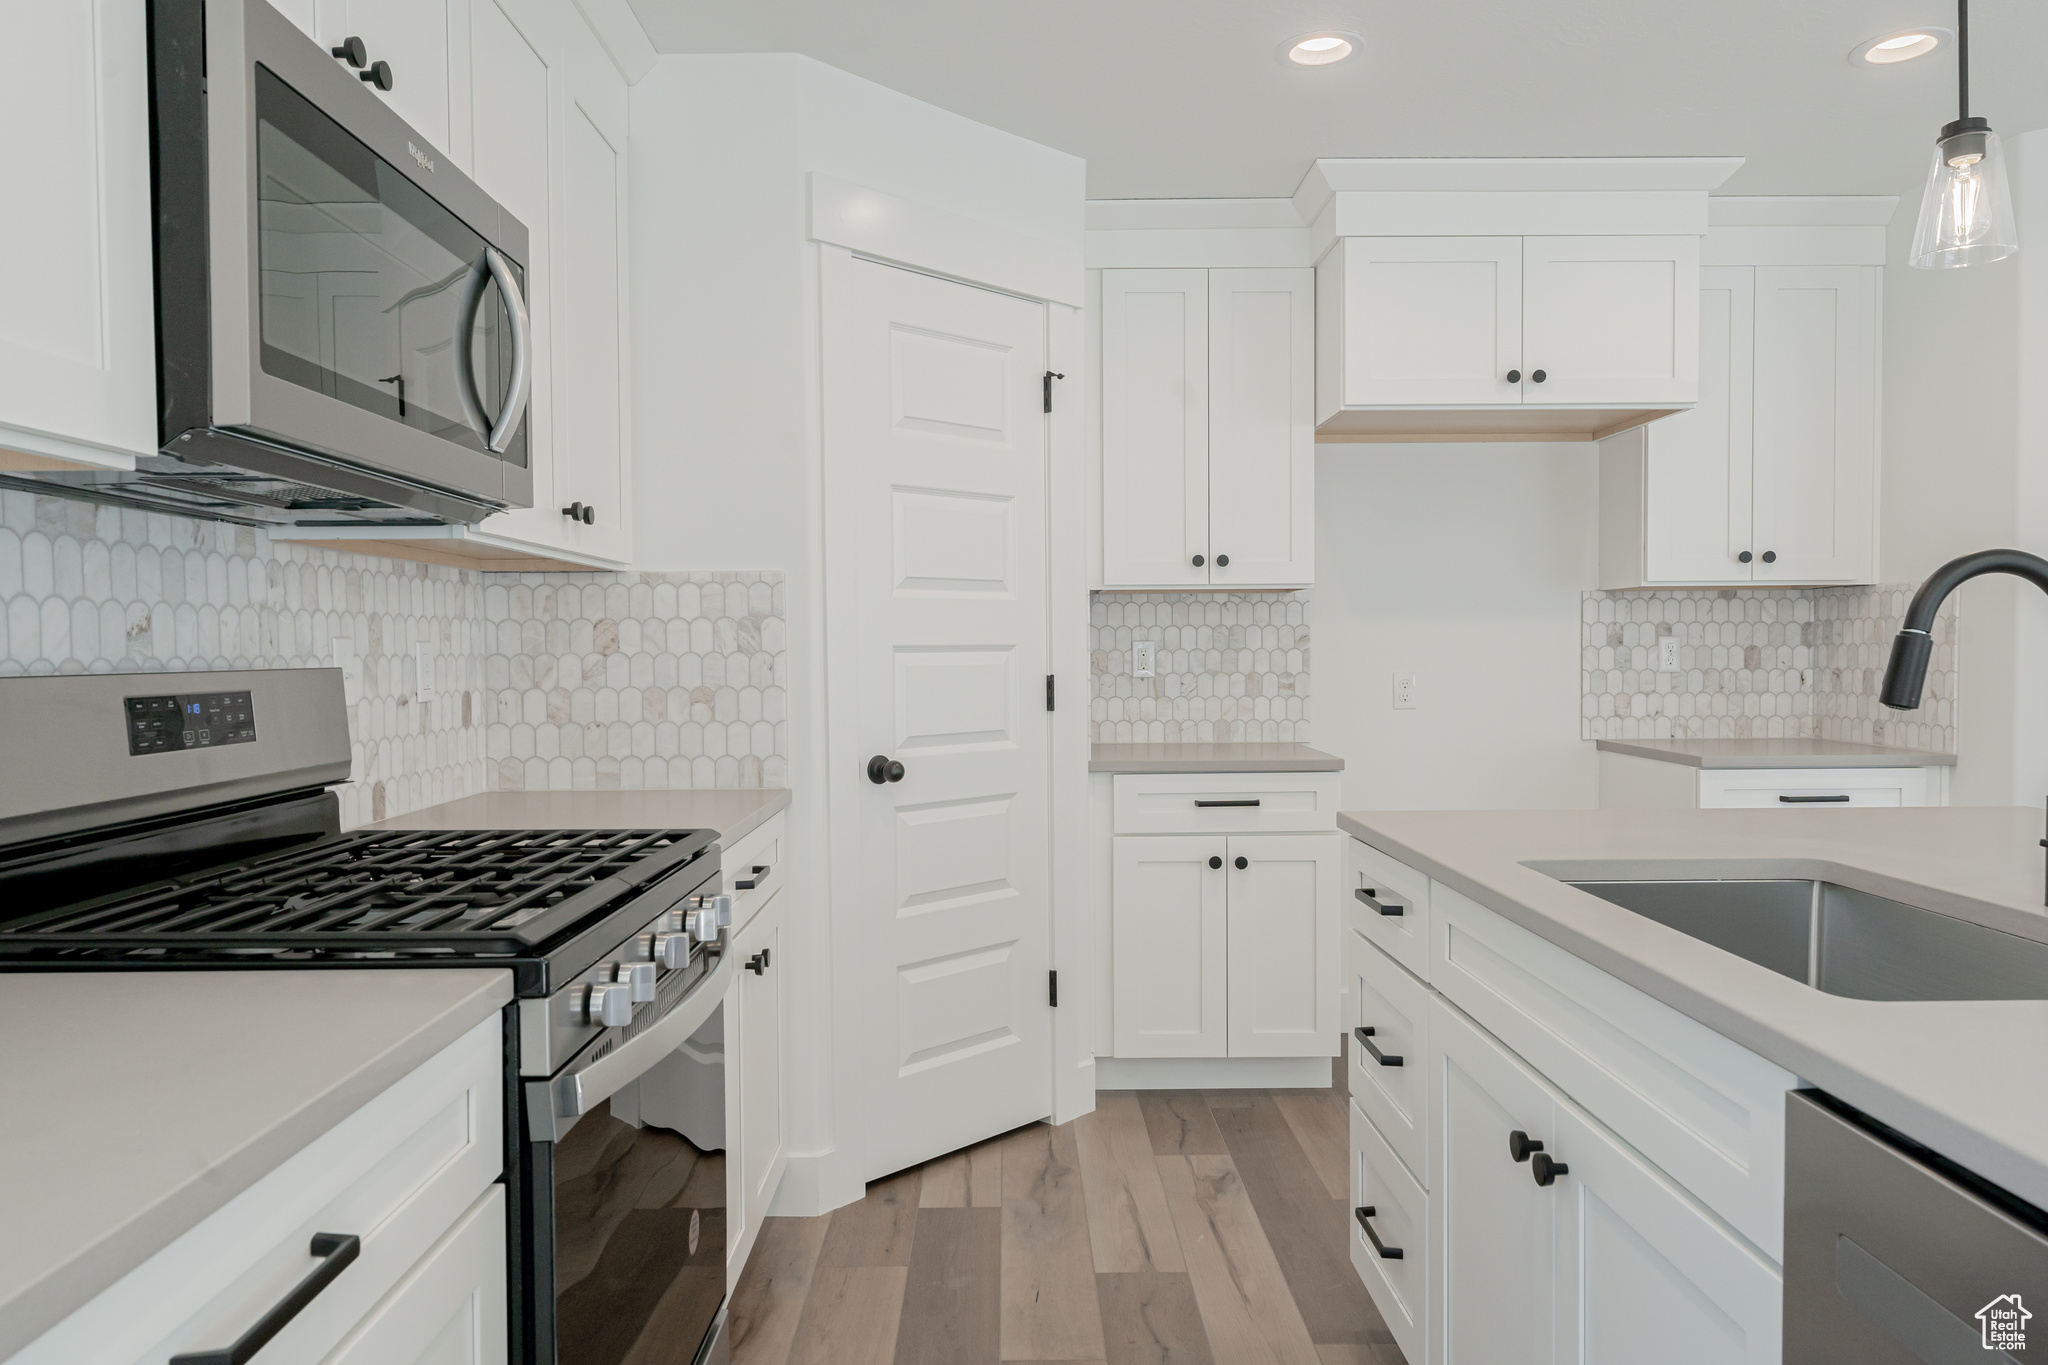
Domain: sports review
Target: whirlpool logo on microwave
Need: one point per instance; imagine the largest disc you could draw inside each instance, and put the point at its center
(2005, 1323)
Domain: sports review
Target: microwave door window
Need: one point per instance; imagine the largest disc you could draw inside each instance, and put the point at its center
(372, 292)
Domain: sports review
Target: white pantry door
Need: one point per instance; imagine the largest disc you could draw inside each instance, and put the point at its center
(934, 419)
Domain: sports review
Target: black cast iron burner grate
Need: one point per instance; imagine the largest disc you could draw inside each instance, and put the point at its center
(384, 892)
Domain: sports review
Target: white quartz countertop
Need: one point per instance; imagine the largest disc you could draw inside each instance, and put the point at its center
(1211, 758)
(1967, 1078)
(1775, 753)
(138, 1103)
(732, 812)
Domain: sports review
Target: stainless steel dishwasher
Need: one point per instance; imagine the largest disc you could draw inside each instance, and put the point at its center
(1895, 1255)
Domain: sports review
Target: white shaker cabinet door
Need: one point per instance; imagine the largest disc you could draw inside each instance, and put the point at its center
(411, 36)
(1696, 477)
(1493, 1229)
(1643, 1273)
(1167, 954)
(77, 306)
(1430, 321)
(450, 1307)
(1155, 428)
(1285, 954)
(758, 1047)
(1610, 320)
(1262, 453)
(1816, 423)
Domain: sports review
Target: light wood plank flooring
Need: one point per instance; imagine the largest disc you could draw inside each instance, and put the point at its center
(1166, 1228)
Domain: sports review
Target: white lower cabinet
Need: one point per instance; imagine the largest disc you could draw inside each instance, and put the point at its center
(450, 1308)
(1632, 782)
(1390, 1237)
(757, 1051)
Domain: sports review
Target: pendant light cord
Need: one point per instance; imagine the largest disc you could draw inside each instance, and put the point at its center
(1963, 59)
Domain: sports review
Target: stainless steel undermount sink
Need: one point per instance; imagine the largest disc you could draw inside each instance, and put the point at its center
(1841, 940)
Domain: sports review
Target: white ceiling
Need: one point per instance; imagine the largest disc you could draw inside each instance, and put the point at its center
(1186, 99)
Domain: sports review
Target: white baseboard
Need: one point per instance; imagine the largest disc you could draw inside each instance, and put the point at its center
(1212, 1073)
(814, 1184)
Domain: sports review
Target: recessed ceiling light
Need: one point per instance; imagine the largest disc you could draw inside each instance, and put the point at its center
(1902, 46)
(1320, 49)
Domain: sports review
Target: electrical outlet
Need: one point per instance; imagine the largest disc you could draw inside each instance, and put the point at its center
(351, 665)
(1144, 658)
(1404, 691)
(1667, 653)
(423, 673)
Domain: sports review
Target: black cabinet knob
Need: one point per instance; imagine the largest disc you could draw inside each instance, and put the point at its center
(1520, 1144)
(1770, 556)
(1514, 376)
(352, 51)
(758, 963)
(1222, 561)
(1743, 558)
(1545, 1170)
(1537, 376)
(377, 74)
(583, 512)
(1242, 864)
(1215, 863)
(882, 768)
(1200, 561)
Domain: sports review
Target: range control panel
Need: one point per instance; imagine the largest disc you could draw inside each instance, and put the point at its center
(199, 720)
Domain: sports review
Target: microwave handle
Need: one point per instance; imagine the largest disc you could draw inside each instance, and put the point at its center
(508, 417)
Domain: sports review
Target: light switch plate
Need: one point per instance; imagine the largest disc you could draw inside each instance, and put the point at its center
(351, 665)
(1667, 653)
(1144, 658)
(1404, 691)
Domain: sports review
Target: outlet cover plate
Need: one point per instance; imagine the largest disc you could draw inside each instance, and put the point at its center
(1144, 658)
(1404, 691)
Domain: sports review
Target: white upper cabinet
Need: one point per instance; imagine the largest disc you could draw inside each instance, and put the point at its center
(409, 36)
(77, 307)
(1772, 478)
(1610, 320)
(1208, 444)
(1427, 320)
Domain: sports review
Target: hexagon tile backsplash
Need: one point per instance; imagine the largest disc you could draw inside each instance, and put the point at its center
(1797, 663)
(1231, 668)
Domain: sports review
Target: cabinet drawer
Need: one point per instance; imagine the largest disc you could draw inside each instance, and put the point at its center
(1811, 788)
(450, 1307)
(1225, 803)
(1399, 1217)
(1395, 1006)
(398, 1173)
(752, 869)
(1375, 886)
(1707, 1111)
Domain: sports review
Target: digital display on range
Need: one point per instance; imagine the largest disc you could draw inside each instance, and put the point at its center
(198, 720)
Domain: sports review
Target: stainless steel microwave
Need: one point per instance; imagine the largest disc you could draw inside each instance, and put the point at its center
(342, 333)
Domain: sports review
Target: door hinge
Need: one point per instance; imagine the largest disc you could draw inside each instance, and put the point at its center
(1050, 375)
(1052, 989)
(1048, 691)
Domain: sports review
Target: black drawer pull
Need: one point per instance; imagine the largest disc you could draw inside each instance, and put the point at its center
(336, 1250)
(1253, 801)
(1811, 800)
(1365, 1034)
(1370, 895)
(753, 879)
(1386, 1252)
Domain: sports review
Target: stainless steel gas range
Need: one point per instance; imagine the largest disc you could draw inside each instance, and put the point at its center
(154, 822)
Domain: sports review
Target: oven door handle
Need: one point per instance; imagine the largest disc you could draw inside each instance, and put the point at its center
(552, 1107)
(507, 420)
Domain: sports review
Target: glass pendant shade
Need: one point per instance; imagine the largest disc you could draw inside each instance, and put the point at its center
(1966, 215)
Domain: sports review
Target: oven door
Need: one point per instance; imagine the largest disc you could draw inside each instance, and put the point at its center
(367, 299)
(628, 1194)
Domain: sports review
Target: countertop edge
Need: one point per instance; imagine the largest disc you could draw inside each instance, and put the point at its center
(44, 1303)
(1905, 759)
(1996, 1160)
(748, 824)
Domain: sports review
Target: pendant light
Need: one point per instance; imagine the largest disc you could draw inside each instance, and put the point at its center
(1966, 215)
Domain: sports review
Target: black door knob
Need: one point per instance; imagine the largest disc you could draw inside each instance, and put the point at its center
(1537, 376)
(1222, 561)
(1770, 556)
(1215, 863)
(1743, 558)
(1200, 561)
(377, 74)
(352, 51)
(1520, 1144)
(1242, 864)
(1514, 376)
(882, 768)
(1545, 1170)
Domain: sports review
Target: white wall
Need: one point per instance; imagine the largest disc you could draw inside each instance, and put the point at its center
(1462, 564)
(726, 434)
